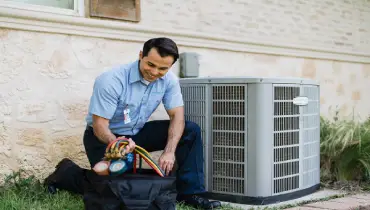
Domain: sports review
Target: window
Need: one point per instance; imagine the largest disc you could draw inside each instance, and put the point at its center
(67, 7)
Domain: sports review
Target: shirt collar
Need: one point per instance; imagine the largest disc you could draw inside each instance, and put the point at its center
(135, 75)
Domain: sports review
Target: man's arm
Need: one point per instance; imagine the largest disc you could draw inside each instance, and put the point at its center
(101, 129)
(174, 105)
(103, 104)
(176, 128)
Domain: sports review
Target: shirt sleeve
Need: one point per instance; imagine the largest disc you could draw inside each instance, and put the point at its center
(106, 91)
(173, 96)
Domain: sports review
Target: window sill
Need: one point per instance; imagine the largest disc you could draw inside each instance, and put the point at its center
(21, 19)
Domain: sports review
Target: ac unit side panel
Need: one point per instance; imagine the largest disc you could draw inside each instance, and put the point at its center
(246, 142)
(196, 110)
(209, 159)
(286, 139)
(311, 136)
(228, 138)
(260, 134)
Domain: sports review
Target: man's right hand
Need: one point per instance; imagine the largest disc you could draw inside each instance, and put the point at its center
(131, 144)
(102, 131)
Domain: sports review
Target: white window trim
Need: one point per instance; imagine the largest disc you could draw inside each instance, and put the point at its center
(78, 8)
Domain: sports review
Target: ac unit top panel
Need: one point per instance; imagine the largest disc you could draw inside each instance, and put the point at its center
(246, 80)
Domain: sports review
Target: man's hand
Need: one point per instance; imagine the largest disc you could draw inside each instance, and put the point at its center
(102, 131)
(166, 161)
(131, 144)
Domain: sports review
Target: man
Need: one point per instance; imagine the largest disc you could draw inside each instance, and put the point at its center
(122, 101)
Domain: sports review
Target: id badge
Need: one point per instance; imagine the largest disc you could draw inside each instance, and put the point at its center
(126, 115)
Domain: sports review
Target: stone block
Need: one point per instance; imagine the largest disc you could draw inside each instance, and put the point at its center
(352, 200)
(36, 111)
(303, 208)
(31, 137)
(75, 112)
(332, 205)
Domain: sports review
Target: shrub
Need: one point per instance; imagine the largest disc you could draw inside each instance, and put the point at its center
(345, 150)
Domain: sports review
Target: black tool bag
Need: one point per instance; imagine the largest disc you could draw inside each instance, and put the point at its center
(142, 190)
(134, 189)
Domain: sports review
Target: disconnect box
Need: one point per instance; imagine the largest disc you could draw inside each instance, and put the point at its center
(189, 64)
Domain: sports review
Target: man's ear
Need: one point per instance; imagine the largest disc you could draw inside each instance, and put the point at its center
(140, 55)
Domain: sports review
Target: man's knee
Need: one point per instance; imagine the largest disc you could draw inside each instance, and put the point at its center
(192, 127)
(192, 130)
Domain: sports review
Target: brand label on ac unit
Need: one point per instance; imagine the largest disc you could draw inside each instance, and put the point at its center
(300, 101)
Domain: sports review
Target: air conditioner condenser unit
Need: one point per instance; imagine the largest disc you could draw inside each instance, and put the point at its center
(261, 136)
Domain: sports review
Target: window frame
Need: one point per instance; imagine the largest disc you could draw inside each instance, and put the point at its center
(78, 11)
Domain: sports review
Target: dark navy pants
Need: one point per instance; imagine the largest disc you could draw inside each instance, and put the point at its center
(153, 137)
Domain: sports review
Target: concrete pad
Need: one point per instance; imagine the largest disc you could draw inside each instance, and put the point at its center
(320, 194)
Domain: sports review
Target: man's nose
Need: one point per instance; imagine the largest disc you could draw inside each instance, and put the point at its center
(154, 71)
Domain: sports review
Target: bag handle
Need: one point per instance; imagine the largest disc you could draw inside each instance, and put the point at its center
(116, 150)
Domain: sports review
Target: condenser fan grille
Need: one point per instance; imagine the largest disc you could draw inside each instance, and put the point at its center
(228, 123)
(228, 130)
(222, 92)
(311, 137)
(286, 139)
(285, 93)
(228, 139)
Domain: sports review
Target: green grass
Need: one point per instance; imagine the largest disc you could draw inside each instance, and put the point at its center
(27, 193)
(20, 193)
(345, 164)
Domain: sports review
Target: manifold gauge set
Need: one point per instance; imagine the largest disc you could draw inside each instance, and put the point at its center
(116, 161)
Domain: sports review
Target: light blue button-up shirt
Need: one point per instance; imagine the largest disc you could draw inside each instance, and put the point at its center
(123, 90)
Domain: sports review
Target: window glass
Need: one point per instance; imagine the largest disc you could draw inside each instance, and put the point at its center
(65, 4)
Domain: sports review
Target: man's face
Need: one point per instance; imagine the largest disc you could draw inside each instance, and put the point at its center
(153, 66)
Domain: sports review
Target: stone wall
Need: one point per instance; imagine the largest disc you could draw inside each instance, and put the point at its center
(337, 24)
(46, 79)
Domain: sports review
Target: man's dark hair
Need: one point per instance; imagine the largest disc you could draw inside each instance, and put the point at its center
(164, 46)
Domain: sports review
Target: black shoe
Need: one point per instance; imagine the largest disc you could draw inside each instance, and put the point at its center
(51, 181)
(199, 202)
(51, 189)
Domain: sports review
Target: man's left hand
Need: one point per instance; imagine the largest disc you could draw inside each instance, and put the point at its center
(166, 161)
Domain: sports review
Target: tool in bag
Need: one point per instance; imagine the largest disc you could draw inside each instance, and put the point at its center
(116, 161)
